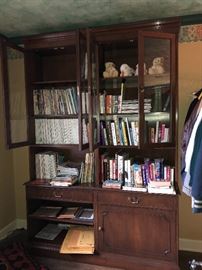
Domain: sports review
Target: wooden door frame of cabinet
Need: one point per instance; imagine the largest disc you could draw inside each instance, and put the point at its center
(4, 43)
(173, 79)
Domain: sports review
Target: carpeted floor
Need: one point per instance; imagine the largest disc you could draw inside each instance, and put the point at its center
(19, 236)
(14, 256)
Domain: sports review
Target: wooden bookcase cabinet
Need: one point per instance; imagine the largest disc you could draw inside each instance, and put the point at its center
(133, 230)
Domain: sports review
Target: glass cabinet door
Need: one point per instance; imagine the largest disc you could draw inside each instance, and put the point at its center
(82, 89)
(92, 91)
(157, 68)
(118, 95)
(15, 94)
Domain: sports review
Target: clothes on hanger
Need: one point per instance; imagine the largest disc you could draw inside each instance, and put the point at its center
(191, 153)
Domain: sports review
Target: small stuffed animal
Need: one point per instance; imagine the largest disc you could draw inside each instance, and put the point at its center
(126, 71)
(110, 70)
(137, 70)
(157, 67)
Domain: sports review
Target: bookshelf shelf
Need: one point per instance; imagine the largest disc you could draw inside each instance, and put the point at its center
(71, 116)
(54, 83)
(75, 221)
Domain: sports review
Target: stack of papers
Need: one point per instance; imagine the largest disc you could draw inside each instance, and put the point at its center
(79, 240)
(49, 232)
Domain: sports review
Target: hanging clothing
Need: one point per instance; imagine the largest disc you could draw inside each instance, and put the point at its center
(190, 119)
(191, 154)
(196, 172)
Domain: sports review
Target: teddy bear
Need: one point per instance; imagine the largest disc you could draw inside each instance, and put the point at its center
(110, 70)
(137, 70)
(157, 67)
(126, 71)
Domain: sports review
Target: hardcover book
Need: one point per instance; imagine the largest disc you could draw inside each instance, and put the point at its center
(68, 212)
(47, 211)
(49, 232)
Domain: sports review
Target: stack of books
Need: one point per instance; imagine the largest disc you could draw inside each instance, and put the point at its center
(47, 211)
(163, 187)
(110, 183)
(67, 175)
(68, 212)
(85, 214)
(64, 180)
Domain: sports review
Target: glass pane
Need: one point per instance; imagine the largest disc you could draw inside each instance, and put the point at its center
(156, 61)
(95, 136)
(84, 107)
(17, 97)
(118, 93)
(157, 90)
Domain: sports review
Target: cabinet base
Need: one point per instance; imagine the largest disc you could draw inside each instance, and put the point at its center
(111, 260)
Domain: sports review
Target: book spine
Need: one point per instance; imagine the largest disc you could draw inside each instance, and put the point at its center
(113, 129)
(116, 123)
(125, 139)
(120, 167)
(138, 181)
(126, 178)
(157, 132)
(109, 132)
(128, 132)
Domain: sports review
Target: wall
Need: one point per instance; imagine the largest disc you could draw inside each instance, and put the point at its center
(190, 80)
(18, 116)
(7, 191)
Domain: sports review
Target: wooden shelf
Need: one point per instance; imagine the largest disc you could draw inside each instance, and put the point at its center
(132, 81)
(65, 221)
(53, 245)
(56, 83)
(42, 116)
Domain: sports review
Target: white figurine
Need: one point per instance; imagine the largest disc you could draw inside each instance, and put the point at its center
(110, 70)
(157, 67)
(126, 71)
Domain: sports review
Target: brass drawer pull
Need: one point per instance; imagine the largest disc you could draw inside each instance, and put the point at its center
(100, 228)
(133, 200)
(57, 195)
(166, 252)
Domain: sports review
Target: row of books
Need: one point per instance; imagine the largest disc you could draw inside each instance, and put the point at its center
(159, 133)
(52, 101)
(59, 131)
(76, 212)
(114, 104)
(87, 172)
(55, 101)
(119, 132)
(64, 180)
(122, 171)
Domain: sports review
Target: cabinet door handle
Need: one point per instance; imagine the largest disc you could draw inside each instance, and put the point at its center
(57, 195)
(100, 228)
(133, 200)
(166, 252)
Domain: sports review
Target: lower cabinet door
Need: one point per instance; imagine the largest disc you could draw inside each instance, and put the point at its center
(137, 231)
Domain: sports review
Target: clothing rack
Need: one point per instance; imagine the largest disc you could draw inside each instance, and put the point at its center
(194, 264)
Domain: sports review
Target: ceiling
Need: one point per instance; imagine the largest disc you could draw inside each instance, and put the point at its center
(27, 17)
